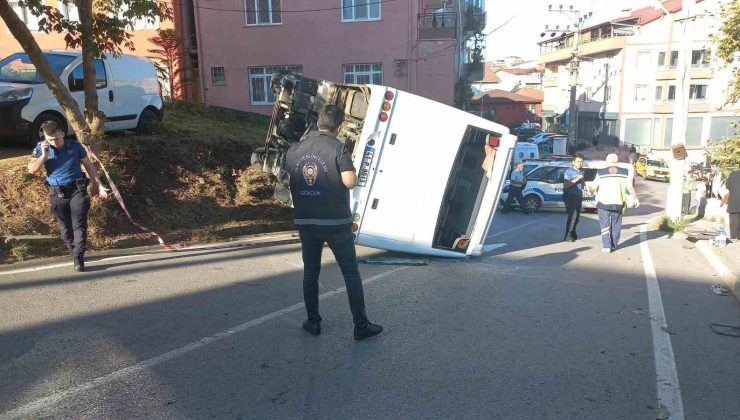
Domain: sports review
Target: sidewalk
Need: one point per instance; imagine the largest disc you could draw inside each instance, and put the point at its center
(726, 259)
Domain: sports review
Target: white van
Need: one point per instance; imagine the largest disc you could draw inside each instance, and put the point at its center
(128, 93)
(420, 187)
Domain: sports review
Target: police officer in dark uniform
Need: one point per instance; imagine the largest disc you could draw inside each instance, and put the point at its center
(67, 186)
(321, 175)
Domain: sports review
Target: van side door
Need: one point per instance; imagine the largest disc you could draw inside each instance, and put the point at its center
(75, 83)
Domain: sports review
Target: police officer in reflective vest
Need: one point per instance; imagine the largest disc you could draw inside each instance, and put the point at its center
(67, 186)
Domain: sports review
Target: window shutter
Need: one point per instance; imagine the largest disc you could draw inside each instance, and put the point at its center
(276, 11)
(251, 16)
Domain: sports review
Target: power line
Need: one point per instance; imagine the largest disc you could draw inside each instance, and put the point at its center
(281, 11)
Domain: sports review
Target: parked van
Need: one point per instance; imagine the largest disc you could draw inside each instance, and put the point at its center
(128, 93)
(526, 151)
(420, 185)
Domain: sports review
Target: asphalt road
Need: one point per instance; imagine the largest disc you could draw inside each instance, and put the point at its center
(537, 329)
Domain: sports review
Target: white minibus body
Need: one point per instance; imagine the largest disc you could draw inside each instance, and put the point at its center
(421, 186)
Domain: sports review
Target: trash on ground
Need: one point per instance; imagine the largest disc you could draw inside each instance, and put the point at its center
(391, 261)
(728, 330)
(663, 413)
(720, 290)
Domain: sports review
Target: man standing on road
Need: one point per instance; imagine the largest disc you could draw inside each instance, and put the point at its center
(516, 186)
(573, 182)
(732, 199)
(610, 186)
(321, 175)
(67, 186)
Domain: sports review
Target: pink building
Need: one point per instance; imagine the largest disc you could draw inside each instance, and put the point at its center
(413, 45)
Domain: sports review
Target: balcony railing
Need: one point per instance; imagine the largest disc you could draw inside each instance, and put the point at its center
(437, 25)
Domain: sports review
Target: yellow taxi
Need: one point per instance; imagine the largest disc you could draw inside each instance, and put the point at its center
(652, 168)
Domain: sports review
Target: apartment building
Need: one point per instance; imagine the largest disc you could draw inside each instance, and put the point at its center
(626, 85)
(182, 13)
(509, 78)
(414, 45)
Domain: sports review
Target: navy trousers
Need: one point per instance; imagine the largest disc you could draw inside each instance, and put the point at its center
(611, 227)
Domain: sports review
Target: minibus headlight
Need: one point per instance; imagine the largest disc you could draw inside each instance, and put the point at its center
(16, 95)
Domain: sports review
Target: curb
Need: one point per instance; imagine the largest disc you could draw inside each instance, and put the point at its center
(731, 280)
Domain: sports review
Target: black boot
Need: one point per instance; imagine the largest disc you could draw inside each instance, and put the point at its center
(79, 261)
(367, 331)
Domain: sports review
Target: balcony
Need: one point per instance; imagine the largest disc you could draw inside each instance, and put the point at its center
(560, 50)
(437, 25)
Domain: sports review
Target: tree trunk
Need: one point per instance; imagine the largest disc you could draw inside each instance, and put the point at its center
(95, 119)
(23, 35)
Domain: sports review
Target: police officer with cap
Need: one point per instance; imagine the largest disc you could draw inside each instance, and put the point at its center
(67, 186)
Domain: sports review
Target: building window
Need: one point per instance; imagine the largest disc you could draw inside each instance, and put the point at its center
(643, 60)
(674, 59)
(699, 59)
(70, 11)
(141, 23)
(357, 10)
(659, 93)
(698, 92)
(259, 82)
(588, 95)
(23, 12)
(218, 76)
(723, 127)
(363, 73)
(641, 93)
(671, 93)
(637, 131)
(608, 94)
(693, 131)
(661, 59)
(263, 12)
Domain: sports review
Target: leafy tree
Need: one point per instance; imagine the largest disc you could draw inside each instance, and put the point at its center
(168, 55)
(728, 43)
(103, 27)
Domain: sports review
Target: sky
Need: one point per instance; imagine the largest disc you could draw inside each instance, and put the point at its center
(520, 36)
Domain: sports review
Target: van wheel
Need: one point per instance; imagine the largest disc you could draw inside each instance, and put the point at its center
(148, 123)
(34, 136)
(532, 203)
(258, 157)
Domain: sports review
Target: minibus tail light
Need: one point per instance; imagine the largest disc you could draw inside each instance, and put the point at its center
(494, 141)
(355, 227)
(383, 117)
(389, 96)
(386, 106)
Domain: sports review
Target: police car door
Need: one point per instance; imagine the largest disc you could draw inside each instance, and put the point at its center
(552, 186)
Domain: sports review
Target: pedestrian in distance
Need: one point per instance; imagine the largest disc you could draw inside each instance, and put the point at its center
(321, 176)
(633, 155)
(611, 188)
(67, 185)
(732, 200)
(516, 187)
(573, 183)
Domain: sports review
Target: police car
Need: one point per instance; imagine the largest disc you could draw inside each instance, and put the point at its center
(544, 187)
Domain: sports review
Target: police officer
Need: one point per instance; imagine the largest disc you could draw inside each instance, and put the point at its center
(321, 175)
(67, 186)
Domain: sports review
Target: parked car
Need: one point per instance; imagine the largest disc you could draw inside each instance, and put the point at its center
(652, 168)
(544, 187)
(525, 151)
(128, 93)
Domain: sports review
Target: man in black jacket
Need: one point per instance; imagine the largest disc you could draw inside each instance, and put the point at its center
(321, 175)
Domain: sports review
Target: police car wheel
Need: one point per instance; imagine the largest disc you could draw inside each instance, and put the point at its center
(532, 203)
(34, 136)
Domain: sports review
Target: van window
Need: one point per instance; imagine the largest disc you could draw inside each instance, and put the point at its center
(76, 78)
(18, 68)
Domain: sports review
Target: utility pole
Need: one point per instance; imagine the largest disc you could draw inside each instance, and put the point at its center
(577, 20)
(674, 199)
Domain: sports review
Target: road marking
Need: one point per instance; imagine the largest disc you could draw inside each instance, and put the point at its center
(491, 247)
(669, 392)
(519, 227)
(28, 409)
(93, 262)
(717, 264)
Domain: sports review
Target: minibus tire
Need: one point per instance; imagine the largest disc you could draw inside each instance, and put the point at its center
(532, 203)
(34, 135)
(258, 157)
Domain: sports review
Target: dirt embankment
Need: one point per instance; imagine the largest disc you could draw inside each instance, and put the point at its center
(190, 179)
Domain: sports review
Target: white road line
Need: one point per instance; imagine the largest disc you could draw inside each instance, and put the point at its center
(95, 261)
(28, 409)
(517, 227)
(717, 264)
(669, 392)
